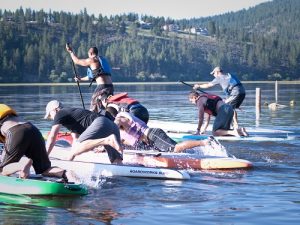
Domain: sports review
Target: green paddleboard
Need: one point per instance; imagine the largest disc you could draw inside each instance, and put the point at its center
(14, 198)
(39, 186)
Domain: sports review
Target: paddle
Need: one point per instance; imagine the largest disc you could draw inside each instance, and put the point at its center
(75, 73)
(198, 89)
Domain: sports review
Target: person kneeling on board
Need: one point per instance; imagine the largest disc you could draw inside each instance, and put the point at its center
(88, 129)
(20, 139)
(213, 105)
(133, 130)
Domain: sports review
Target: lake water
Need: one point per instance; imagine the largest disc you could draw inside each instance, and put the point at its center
(267, 194)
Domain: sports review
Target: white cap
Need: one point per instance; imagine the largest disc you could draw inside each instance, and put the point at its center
(216, 69)
(54, 104)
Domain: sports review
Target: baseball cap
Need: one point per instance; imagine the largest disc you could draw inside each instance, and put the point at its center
(54, 104)
(216, 69)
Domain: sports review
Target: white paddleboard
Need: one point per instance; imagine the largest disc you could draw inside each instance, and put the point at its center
(178, 130)
(97, 164)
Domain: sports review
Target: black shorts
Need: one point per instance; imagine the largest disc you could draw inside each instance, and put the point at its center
(224, 118)
(235, 100)
(160, 140)
(26, 139)
(101, 128)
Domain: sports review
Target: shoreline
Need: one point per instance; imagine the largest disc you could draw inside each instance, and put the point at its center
(139, 83)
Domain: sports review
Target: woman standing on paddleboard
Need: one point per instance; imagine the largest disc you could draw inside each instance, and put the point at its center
(99, 71)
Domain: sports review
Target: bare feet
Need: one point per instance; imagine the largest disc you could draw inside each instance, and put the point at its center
(24, 174)
(113, 142)
(237, 132)
(244, 132)
(72, 176)
(99, 149)
(117, 162)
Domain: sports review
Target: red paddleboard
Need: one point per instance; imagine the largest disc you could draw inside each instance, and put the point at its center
(62, 136)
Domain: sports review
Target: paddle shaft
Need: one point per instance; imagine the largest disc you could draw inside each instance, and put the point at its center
(79, 89)
(198, 89)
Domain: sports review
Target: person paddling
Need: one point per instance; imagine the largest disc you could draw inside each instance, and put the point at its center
(232, 87)
(98, 70)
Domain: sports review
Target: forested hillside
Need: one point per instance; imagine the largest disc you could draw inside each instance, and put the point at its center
(261, 43)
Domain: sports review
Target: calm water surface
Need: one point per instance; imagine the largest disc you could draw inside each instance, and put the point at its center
(267, 194)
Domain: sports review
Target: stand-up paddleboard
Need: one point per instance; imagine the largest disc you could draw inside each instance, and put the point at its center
(148, 159)
(90, 168)
(14, 198)
(62, 136)
(180, 131)
(179, 137)
(39, 186)
(187, 161)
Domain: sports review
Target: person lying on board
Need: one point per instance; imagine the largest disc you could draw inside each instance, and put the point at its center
(133, 130)
(20, 139)
(123, 103)
(88, 130)
(98, 69)
(213, 105)
(232, 87)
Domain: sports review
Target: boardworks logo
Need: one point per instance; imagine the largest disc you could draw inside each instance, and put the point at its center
(146, 171)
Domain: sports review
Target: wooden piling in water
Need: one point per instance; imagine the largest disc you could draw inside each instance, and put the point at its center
(257, 104)
(276, 91)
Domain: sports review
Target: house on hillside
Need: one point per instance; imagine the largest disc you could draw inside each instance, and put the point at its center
(171, 27)
(199, 31)
(144, 25)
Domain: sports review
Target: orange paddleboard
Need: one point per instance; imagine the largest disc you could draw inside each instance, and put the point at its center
(165, 159)
(187, 161)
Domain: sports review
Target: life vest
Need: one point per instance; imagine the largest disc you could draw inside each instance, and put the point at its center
(4, 112)
(103, 70)
(233, 82)
(211, 103)
(122, 101)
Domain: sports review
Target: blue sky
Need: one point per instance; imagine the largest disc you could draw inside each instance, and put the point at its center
(176, 9)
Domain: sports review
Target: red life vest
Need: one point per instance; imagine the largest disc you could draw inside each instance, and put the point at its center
(211, 103)
(122, 100)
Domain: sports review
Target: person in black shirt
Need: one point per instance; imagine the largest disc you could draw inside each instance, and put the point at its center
(88, 129)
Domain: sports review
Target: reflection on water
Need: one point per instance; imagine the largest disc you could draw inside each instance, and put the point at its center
(268, 193)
